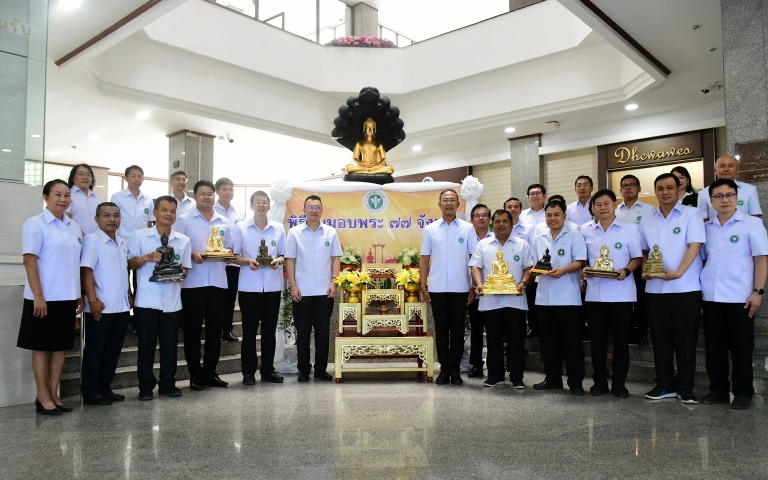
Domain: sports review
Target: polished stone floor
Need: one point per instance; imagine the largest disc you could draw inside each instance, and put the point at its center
(384, 429)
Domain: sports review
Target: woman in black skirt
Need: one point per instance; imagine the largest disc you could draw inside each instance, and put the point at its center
(51, 243)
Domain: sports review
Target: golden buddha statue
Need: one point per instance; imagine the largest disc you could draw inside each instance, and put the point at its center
(369, 154)
(603, 266)
(215, 248)
(499, 281)
(654, 266)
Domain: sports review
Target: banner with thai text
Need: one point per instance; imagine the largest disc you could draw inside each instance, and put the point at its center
(378, 220)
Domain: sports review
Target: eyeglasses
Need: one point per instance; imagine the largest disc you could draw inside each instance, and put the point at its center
(628, 185)
(86, 175)
(449, 200)
(205, 195)
(535, 194)
(583, 185)
(720, 197)
(261, 202)
(313, 208)
(480, 215)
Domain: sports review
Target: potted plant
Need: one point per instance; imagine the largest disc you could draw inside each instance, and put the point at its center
(408, 257)
(351, 258)
(353, 281)
(409, 279)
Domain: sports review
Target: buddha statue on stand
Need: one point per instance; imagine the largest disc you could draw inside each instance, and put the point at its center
(654, 266)
(369, 154)
(499, 281)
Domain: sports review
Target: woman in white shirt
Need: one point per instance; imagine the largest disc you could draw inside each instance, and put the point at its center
(51, 244)
(83, 202)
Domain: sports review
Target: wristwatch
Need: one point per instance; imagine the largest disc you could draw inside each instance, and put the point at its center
(759, 291)
(627, 272)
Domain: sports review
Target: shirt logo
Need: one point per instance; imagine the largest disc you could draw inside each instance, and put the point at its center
(639, 217)
(177, 257)
(80, 240)
(327, 243)
(677, 230)
(222, 232)
(617, 245)
(273, 243)
(516, 258)
(734, 239)
(561, 252)
(461, 240)
(375, 201)
(740, 203)
(146, 211)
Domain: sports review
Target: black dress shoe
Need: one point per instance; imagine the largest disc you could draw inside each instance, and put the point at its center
(443, 378)
(170, 392)
(324, 376)
(476, 372)
(39, 408)
(215, 381)
(741, 402)
(249, 379)
(577, 390)
(145, 395)
(64, 408)
(272, 377)
(229, 337)
(456, 378)
(196, 385)
(303, 377)
(98, 399)
(598, 389)
(713, 398)
(619, 390)
(545, 385)
(115, 397)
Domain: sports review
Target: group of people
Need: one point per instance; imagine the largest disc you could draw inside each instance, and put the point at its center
(712, 257)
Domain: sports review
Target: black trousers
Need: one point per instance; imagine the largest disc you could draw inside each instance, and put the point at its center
(103, 345)
(560, 339)
(639, 322)
(530, 297)
(673, 319)
(477, 324)
(202, 304)
(728, 328)
(614, 319)
(233, 279)
(152, 324)
(449, 309)
(312, 312)
(258, 307)
(506, 324)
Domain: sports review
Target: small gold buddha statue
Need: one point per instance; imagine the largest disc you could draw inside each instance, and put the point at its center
(654, 266)
(499, 281)
(215, 247)
(369, 154)
(603, 266)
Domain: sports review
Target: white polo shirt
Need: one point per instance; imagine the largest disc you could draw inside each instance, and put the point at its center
(134, 212)
(313, 252)
(532, 218)
(57, 245)
(246, 241)
(164, 296)
(567, 247)
(623, 241)
(228, 213)
(634, 214)
(682, 226)
(198, 229)
(449, 246)
(542, 228)
(108, 259)
(749, 202)
(578, 213)
(183, 207)
(83, 208)
(728, 275)
(517, 254)
(525, 231)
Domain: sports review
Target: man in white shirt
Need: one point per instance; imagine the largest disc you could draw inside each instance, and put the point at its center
(534, 215)
(446, 246)
(313, 254)
(204, 290)
(178, 183)
(578, 211)
(728, 166)
(157, 306)
(225, 190)
(104, 272)
(673, 300)
(136, 208)
(519, 229)
(632, 210)
(480, 216)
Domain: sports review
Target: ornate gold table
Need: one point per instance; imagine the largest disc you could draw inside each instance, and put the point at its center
(418, 347)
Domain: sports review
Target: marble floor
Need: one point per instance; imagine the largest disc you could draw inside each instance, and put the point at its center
(382, 429)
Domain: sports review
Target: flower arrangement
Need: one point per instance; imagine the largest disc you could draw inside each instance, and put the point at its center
(348, 279)
(408, 276)
(408, 256)
(364, 41)
(351, 256)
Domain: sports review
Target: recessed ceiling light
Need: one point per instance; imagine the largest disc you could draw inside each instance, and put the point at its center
(68, 5)
(143, 115)
(94, 137)
(35, 135)
(738, 157)
(7, 150)
(509, 130)
(53, 153)
(416, 148)
(630, 106)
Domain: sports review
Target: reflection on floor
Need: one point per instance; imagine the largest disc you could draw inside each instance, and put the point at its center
(383, 429)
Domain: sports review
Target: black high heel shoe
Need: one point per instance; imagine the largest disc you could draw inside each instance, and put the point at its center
(64, 408)
(43, 411)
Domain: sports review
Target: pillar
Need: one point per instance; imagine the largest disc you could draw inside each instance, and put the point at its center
(192, 152)
(365, 20)
(525, 164)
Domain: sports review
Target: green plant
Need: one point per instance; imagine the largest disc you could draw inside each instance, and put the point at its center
(285, 320)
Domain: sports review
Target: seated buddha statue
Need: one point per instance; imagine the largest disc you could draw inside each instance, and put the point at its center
(654, 265)
(499, 280)
(215, 243)
(369, 154)
(604, 263)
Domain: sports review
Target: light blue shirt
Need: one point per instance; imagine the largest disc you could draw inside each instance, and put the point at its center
(228, 213)
(525, 231)
(246, 241)
(623, 241)
(183, 207)
(56, 244)
(109, 262)
(749, 202)
(449, 247)
(517, 254)
(682, 226)
(634, 214)
(134, 212)
(198, 229)
(163, 296)
(729, 270)
(567, 247)
(83, 208)
(313, 252)
(533, 218)
(578, 213)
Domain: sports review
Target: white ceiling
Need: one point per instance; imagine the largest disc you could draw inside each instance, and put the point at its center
(77, 107)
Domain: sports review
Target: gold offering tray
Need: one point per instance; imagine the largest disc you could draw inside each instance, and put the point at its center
(601, 273)
(219, 257)
(540, 271)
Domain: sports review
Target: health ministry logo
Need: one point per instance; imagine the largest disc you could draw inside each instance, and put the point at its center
(375, 201)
